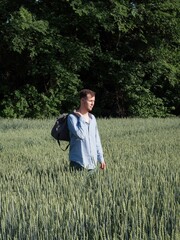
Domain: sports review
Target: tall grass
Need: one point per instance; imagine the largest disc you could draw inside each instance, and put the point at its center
(135, 198)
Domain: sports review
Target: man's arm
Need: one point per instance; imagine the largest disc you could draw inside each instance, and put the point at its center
(100, 157)
(76, 125)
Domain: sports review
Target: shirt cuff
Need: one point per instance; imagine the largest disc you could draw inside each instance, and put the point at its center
(101, 160)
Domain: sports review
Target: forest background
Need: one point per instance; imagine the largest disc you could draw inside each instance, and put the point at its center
(126, 51)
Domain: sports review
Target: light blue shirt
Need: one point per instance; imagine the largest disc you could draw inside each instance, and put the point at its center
(85, 144)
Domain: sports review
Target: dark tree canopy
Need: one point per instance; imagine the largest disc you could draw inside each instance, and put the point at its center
(126, 51)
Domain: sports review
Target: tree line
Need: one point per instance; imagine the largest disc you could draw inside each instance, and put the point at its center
(126, 51)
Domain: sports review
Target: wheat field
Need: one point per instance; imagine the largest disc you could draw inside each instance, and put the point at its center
(135, 198)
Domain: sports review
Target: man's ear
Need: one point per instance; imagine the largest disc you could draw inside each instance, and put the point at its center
(83, 99)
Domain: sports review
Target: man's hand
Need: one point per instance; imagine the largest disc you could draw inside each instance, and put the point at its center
(103, 166)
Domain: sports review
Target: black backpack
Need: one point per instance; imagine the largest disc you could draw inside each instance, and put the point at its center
(60, 130)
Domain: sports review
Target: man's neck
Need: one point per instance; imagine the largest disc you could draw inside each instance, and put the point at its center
(84, 112)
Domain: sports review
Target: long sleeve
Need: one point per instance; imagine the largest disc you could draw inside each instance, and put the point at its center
(100, 157)
(76, 126)
(85, 144)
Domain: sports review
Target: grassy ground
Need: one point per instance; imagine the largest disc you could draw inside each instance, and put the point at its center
(136, 198)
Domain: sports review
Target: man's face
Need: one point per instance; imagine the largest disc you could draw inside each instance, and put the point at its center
(88, 102)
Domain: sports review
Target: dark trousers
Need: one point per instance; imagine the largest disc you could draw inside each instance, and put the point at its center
(74, 166)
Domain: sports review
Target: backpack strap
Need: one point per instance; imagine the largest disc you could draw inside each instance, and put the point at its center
(61, 147)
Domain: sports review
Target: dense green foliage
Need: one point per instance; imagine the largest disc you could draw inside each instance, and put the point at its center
(127, 51)
(136, 197)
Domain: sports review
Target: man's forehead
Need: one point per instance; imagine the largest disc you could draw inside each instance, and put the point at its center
(89, 96)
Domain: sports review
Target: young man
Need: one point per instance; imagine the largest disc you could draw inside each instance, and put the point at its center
(85, 145)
